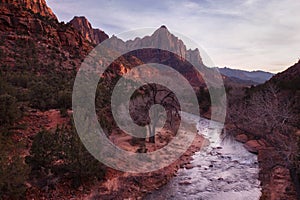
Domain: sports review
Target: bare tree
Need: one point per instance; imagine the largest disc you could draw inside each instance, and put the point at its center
(268, 114)
(262, 112)
(150, 113)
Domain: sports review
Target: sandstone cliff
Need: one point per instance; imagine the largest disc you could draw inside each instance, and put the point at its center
(95, 36)
(31, 37)
(36, 6)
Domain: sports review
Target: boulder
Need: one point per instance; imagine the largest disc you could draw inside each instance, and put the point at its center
(189, 166)
(185, 183)
(281, 184)
(254, 146)
(243, 138)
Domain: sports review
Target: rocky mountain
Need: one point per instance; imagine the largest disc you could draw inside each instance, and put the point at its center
(253, 77)
(95, 36)
(32, 38)
(290, 78)
(36, 6)
(163, 39)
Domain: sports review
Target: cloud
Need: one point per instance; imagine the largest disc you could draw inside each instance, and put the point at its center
(246, 34)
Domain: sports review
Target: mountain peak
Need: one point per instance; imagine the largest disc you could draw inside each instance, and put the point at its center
(162, 29)
(36, 6)
(80, 21)
(81, 18)
(82, 24)
(163, 26)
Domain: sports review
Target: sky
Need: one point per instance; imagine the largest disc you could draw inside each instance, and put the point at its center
(241, 34)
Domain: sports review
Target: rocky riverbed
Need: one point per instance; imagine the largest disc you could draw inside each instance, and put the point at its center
(223, 170)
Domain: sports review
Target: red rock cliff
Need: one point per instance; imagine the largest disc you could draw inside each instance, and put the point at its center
(36, 6)
(29, 40)
(95, 36)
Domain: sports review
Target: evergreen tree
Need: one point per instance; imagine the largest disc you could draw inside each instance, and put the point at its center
(9, 111)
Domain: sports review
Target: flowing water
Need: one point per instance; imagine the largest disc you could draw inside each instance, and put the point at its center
(224, 170)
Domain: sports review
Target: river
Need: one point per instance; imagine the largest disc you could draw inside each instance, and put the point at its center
(224, 170)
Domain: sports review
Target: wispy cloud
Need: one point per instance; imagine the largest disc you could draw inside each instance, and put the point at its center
(248, 34)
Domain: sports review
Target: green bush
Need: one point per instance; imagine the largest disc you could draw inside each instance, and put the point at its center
(42, 96)
(65, 147)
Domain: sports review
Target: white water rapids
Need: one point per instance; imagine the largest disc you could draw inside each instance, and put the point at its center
(224, 170)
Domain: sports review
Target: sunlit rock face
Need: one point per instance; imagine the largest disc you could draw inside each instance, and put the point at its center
(165, 48)
(95, 36)
(36, 6)
(30, 28)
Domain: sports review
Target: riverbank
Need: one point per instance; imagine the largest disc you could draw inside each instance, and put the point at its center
(120, 185)
(274, 175)
(116, 185)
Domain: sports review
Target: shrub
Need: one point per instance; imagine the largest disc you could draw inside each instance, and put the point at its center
(13, 171)
(9, 111)
(63, 153)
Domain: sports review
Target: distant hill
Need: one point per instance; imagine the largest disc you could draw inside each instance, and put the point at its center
(253, 77)
(288, 79)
